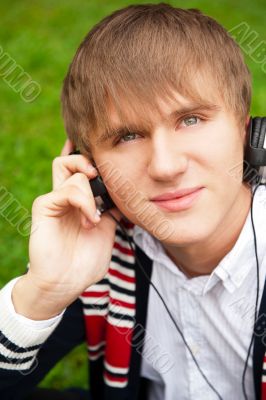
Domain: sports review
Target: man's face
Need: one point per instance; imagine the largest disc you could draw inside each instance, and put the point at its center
(196, 147)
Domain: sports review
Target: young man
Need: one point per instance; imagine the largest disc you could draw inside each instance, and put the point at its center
(157, 99)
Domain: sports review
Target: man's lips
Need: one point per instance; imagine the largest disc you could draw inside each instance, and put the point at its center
(175, 194)
(179, 200)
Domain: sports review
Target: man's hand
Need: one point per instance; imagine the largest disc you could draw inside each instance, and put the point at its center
(70, 246)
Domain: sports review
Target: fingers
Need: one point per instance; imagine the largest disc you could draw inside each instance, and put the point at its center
(80, 183)
(75, 193)
(67, 148)
(64, 167)
(73, 196)
(71, 175)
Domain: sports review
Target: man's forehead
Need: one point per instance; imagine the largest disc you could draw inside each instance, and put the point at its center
(167, 107)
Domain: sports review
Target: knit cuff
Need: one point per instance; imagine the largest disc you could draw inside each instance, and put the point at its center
(20, 337)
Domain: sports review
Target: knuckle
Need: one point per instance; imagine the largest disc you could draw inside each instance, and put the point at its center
(56, 161)
(38, 202)
(81, 178)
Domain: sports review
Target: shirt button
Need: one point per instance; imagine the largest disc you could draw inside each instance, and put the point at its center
(195, 349)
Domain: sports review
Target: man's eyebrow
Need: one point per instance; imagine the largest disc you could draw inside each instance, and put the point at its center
(116, 132)
(195, 108)
(119, 131)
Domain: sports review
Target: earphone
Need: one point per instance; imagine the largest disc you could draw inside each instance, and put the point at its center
(255, 151)
(102, 198)
(254, 163)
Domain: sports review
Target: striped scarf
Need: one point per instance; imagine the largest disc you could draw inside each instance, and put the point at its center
(109, 311)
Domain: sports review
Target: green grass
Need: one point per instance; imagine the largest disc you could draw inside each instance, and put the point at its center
(42, 37)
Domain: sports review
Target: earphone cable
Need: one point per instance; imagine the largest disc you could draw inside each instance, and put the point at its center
(258, 183)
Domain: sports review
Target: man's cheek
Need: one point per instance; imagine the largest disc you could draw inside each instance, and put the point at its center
(130, 199)
(124, 190)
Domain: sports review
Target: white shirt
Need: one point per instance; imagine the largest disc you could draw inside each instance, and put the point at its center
(214, 312)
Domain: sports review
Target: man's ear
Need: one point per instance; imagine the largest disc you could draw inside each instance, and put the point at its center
(246, 132)
(247, 121)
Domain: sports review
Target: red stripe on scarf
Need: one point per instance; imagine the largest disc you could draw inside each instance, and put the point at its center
(118, 354)
(122, 303)
(95, 294)
(123, 249)
(120, 275)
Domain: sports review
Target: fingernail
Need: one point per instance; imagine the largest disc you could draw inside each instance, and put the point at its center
(91, 169)
(97, 216)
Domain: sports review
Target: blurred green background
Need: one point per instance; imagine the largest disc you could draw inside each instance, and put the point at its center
(42, 37)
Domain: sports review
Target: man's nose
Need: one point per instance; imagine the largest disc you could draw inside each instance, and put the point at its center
(167, 160)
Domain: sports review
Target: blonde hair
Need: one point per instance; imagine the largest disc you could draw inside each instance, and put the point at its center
(141, 53)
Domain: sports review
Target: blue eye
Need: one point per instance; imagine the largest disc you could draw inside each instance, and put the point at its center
(191, 120)
(127, 137)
